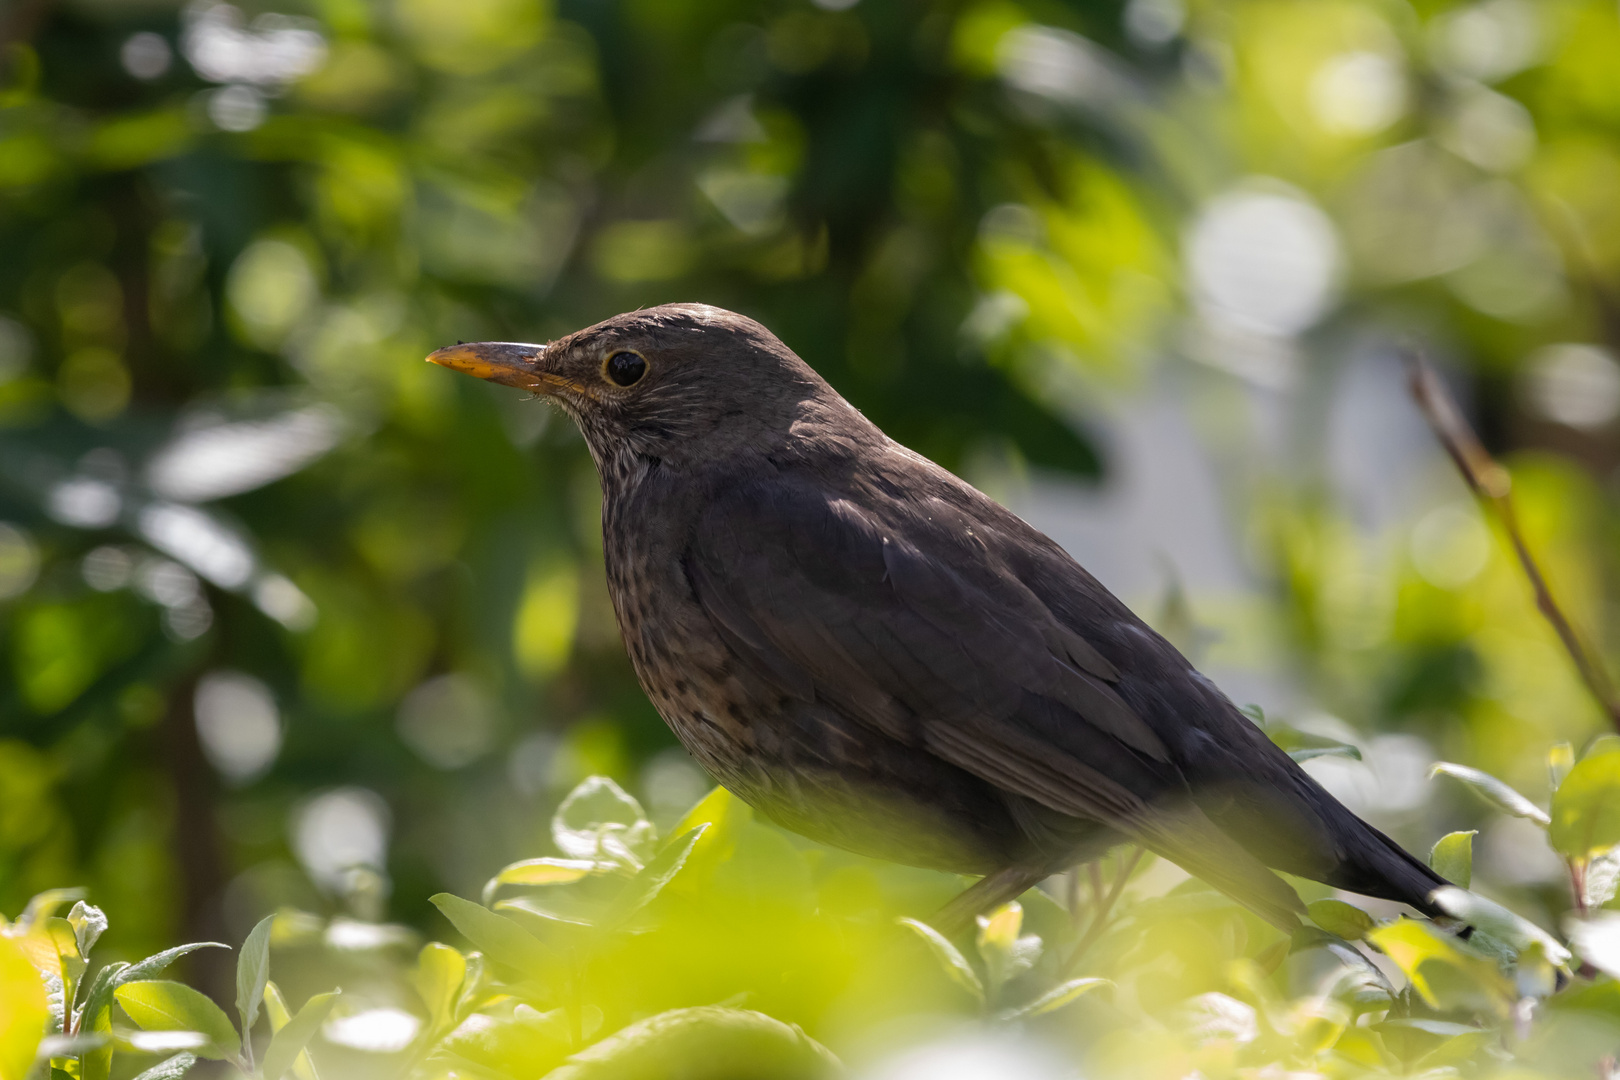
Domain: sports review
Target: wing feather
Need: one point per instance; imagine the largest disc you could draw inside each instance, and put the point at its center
(889, 616)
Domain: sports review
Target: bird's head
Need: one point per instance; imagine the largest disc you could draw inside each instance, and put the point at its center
(660, 382)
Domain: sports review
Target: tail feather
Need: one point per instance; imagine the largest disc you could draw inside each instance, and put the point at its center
(1189, 839)
(1378, 866)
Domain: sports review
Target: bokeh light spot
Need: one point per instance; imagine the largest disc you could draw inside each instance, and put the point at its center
(1358, 93)
(1263, 260)
(1575, 384)
(341, 830)
(448, 721)
(19, 561)
(1450, 545)
(146, 55)
(238, 724)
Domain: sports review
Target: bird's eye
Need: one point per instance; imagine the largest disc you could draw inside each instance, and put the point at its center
(625, 368)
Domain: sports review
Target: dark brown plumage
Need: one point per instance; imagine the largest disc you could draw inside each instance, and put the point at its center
(877, 655)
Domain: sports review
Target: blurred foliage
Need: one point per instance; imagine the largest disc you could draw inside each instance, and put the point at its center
(292, 621)
(729, 949)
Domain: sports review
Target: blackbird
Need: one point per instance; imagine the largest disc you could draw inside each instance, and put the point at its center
(876, 655)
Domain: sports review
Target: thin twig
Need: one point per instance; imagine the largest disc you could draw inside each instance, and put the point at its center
(1491, 483)
(1577, 885)
(1099, 920)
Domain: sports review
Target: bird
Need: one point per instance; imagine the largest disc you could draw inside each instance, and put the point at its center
(876, 655)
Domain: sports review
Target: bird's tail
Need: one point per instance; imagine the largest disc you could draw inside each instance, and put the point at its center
(1190, 840)
(1378, 866)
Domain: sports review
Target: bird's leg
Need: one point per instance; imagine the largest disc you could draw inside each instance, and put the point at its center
(986, 894)
(1099, 918)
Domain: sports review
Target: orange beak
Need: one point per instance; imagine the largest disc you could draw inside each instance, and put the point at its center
(509, 363)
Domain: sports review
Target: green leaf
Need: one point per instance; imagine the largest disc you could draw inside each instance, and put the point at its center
(599, 821)
(440, 971)
(542, 917)
(1601, 879)
(691, 1043)
(89, 923)
(161, 1005)
(1006, 955)
(1492, 790)
(1303, 745)
(172, 1069)
(1586, 806)
(252, 972)
(501, 939)
(23, 1011)
(99, 996)
(955, 964)
(533, 872)
(1431, 1044)
(1452, 857)
(43, 905)
(275, 1008)
(1560, 759)
(1344, 750)
(1338, 917)
(156, 963)
(1500, 923)
(651, 879)
(1441, 973)
(1454, 1051)
(287, 1043)
(1056, 998)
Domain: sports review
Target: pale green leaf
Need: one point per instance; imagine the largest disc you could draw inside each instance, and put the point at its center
(440, 971)
(1586, 806)
(99, 996)
(161, 1005)
(1344, 750)
(1492, 790)
(1560, 759)
(1452, 857)
(172, 1069)
(1497, 921)
(43, 905)
(536, 872)
(600, 821)
(288, 1042)
(253, 971)
(651, 879)
(1344, 920)
(89, 923)
(155, 964)
(1601, 879)
(694, 1042)
(1056, 998)
(1441, 973)
(275, 1008)
(954, 963)
(500, 938)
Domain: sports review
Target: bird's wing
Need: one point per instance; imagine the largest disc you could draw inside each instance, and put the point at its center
(897, 616)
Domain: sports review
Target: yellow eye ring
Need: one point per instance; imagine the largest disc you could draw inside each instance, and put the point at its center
(625, 367)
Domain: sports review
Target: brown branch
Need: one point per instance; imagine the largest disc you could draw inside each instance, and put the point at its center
(1491, 484)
